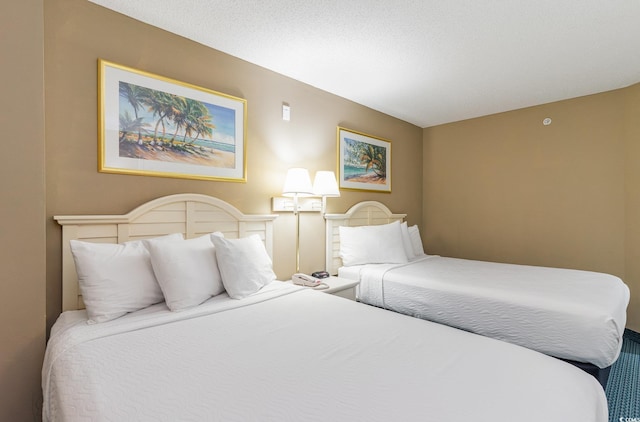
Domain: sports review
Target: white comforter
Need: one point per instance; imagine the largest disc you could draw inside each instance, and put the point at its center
(292, 354)
(569, 314)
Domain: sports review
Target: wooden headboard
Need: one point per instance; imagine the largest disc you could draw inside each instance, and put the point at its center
(191, 214)
(367, 213)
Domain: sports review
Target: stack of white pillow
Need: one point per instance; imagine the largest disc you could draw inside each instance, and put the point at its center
(115, 279)
(393, 243)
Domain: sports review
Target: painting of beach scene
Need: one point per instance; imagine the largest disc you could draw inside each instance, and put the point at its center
(364, 161)
(151, 125)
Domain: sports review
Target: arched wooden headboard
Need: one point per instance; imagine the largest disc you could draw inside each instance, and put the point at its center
(365, 213)
(191, 214)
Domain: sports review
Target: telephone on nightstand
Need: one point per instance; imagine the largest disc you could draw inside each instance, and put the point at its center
(308, 281)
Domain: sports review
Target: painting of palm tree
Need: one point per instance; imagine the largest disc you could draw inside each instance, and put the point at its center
(364, 161)
(155, 126)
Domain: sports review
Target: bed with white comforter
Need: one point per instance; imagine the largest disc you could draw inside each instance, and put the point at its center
(569, 314)
(292, 354)
(574, 315)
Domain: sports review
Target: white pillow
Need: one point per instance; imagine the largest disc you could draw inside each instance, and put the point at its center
(416, 241)
(116, 278)
(187, 271)
(244, 264)
(406, 241)
(372, 245)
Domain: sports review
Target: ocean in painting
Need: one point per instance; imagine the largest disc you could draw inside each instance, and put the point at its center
(221, 146)
(350, 172)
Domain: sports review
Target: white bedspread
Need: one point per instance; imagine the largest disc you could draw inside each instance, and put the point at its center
(569, 314)
(292, 354)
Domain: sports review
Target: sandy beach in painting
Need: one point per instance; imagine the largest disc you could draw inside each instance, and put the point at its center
(368, 178)
(193, 154)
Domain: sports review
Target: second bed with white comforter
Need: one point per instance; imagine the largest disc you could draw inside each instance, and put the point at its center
(569, 314)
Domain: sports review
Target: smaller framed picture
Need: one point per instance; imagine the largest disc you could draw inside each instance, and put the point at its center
(364, 161)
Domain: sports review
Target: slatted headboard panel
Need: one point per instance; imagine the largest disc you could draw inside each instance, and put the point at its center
(367, 213)
(190, 214)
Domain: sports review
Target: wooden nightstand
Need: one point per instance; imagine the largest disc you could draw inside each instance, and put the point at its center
(342, 287)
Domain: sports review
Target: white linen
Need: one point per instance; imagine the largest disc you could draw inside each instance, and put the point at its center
(116, 278)
(406, 241)
(372, 244)
(244, 264)
(416, 240)
(187, 271)
(294, 354)
(569, 314)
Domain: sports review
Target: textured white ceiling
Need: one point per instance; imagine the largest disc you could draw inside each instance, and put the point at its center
(427, 62)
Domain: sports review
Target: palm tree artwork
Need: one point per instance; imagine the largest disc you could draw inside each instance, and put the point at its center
(364, 162)
(161, 126)
(133, 95)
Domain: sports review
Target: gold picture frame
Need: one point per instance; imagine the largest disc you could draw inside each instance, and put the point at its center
(364, 161)
(151, 125)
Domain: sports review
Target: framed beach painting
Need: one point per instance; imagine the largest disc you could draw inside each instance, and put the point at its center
(155, 126)
(364, 161)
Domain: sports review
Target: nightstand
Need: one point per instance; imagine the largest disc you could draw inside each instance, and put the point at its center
(342, 287)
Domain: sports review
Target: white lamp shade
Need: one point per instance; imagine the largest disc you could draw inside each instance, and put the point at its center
(325, 184)
(297, 183)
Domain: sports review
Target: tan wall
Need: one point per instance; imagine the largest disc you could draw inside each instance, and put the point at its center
(78, 32)
(22, 210)
(632, 203)
(507, 188)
